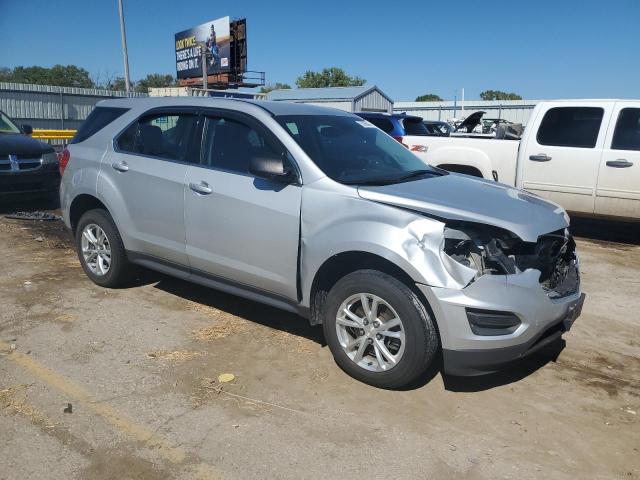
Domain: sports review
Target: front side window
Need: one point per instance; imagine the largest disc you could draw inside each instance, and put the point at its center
(627, 133)
(351, 150)
(570, 127)
(230, 144)
(163, 135)
(6, 125)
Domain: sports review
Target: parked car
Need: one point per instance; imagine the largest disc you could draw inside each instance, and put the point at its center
(582, 154)
(317, 212)
(27, 166)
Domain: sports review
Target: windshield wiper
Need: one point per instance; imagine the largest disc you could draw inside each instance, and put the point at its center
(392, 180)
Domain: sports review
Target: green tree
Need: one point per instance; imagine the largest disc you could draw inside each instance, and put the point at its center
(328, 77)
(499, 95)
(59, 75)
(117, 84)
(428, 97)
(154, 80)
(275, 86)
(5, 74)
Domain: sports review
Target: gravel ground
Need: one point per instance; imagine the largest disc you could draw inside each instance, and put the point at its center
(99, 384)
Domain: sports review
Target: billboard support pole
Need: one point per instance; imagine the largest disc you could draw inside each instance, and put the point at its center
(123, 36)
(203, 60)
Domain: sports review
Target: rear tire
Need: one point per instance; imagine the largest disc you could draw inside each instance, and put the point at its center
(402, 340)
(101, 251)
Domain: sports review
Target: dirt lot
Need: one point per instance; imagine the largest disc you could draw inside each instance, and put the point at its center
(123, 384)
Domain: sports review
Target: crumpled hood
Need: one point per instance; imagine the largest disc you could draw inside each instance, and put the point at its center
(20, 144)
(460, 197)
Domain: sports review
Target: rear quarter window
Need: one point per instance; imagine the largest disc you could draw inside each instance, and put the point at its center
(570, 127)
(383, 124)
(414, 127)
(96, 121)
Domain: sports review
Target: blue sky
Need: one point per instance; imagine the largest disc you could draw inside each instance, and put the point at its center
(539, 49)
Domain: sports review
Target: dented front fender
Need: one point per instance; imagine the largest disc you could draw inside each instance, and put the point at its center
(334, 223)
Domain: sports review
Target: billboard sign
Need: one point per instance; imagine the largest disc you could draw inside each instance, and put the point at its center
(216, 37)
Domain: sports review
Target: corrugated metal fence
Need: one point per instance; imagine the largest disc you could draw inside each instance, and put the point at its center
(517, 111)
(51, 107)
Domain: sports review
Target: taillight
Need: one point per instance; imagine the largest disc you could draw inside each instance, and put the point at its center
(63, 160)
(399, 139)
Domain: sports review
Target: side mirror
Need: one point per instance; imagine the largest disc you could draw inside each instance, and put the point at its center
(27, 129)
(271, 168)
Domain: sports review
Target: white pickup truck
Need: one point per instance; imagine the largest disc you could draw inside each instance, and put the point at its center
(582, 154)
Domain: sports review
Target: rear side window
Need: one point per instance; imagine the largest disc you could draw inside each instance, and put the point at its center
(383, 124)
(163, 135)
(414, 127)
(97, 120)
(229, 145)
(570, 127)
(626, 136)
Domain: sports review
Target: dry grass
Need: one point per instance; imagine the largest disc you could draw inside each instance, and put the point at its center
(175, 356)
(12, 400)
(224, 326)
(65, 318)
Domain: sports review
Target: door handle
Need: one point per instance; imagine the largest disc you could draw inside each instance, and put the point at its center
(619, 163)
(202, 188)
(541, 157)
(120, 166)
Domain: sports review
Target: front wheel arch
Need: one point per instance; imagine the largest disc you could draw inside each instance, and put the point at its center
(344, 263)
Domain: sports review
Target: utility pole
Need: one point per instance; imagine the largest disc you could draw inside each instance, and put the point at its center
(123, 36)
(462, 104)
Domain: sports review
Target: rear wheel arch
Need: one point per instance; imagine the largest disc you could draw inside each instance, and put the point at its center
(82, 204)
(344, 263)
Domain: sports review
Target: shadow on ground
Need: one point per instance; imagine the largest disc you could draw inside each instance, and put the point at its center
(606, 230)
(513, 373)
(249, 310)
(17, 203)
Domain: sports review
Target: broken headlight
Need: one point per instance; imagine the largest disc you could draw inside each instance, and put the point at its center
(478, 248)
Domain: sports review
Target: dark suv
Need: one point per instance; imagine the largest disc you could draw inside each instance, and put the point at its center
(27, 165)
(398, 125)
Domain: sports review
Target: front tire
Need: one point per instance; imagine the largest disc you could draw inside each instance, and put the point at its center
(100, 249)
(378, 330)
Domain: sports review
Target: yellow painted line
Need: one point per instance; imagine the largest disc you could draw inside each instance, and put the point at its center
(125, 426)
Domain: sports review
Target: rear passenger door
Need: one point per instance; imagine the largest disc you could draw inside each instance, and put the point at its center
(618, 192)
(562, 157)
(241, 228)
(146, 174)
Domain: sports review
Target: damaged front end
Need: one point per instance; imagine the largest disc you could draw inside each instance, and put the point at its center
(471, 250)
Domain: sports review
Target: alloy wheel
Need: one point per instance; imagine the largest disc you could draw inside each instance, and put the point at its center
(96, 249)
(370, 332)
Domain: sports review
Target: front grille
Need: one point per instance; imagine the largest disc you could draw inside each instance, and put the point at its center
(20, 163)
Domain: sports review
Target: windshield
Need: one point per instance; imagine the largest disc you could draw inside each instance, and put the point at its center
(351, 150)
(6, 125)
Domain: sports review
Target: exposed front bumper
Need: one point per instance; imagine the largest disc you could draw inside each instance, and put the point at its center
(543, 319)
(45, 179)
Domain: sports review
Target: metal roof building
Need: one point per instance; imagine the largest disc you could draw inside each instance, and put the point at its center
(368, 98)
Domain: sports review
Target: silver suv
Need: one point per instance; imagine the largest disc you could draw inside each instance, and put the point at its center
(318, 212)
